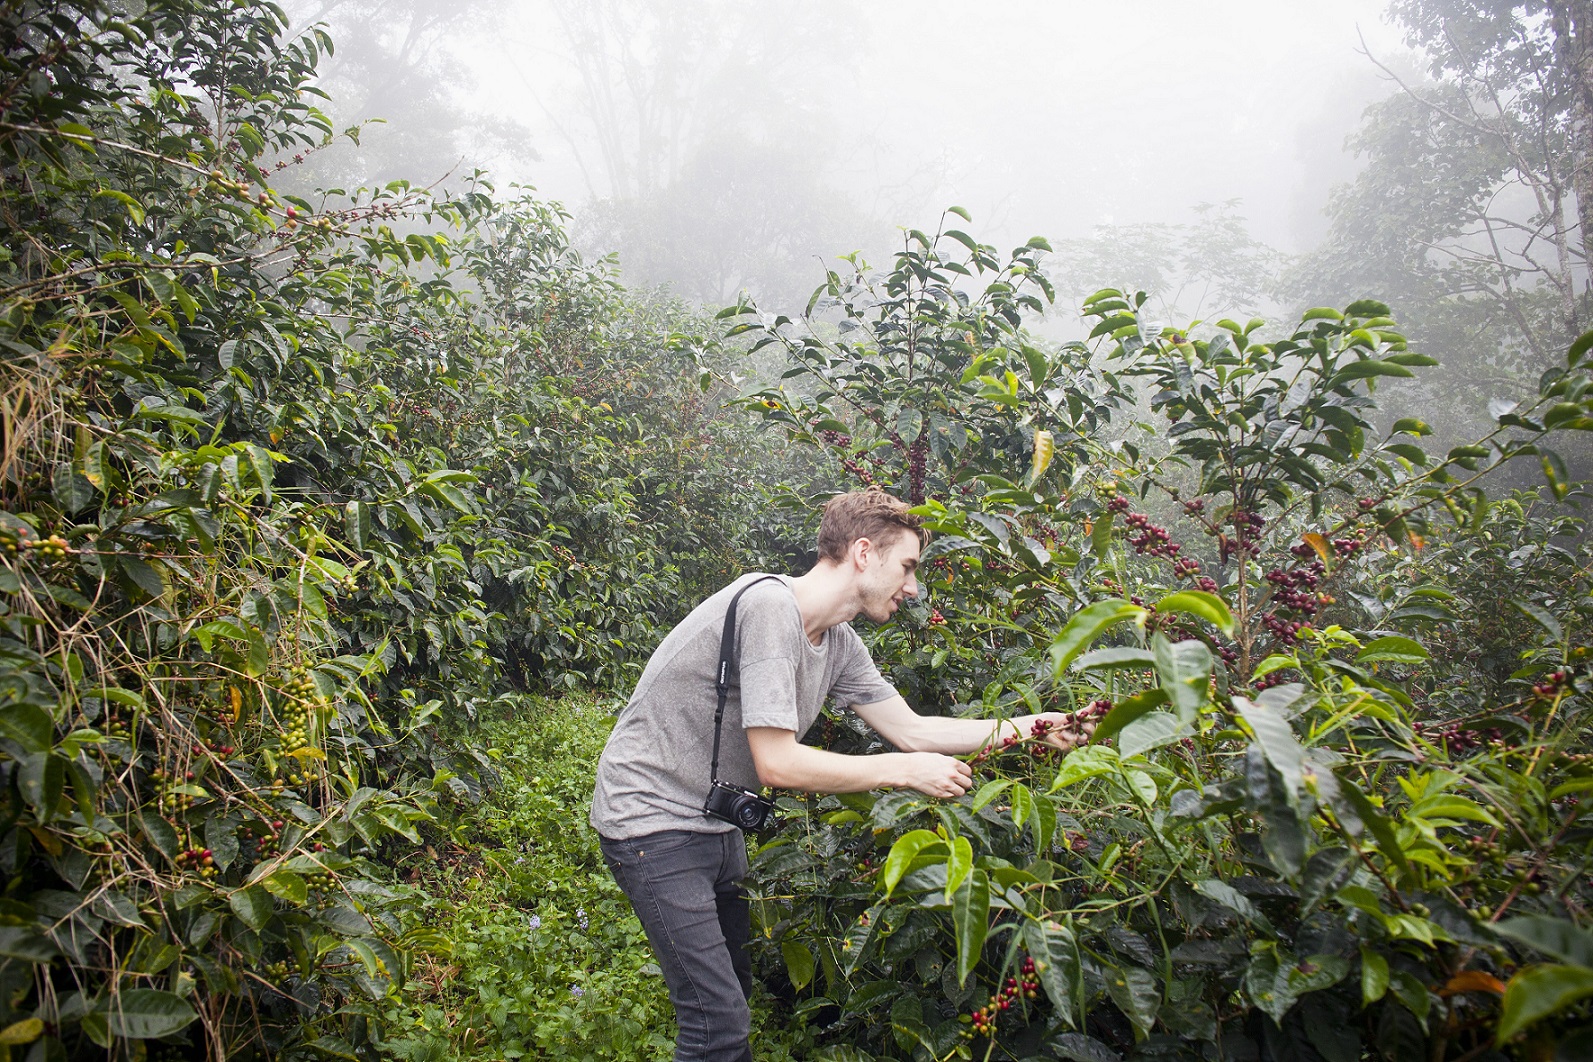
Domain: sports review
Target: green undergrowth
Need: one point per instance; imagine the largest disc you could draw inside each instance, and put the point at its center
(532, 950)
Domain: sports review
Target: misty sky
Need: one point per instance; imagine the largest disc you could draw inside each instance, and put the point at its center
(1039, 117)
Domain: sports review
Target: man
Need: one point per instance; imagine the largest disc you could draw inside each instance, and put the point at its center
(794, 648)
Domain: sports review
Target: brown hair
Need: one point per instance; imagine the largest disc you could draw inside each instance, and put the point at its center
(870, 514)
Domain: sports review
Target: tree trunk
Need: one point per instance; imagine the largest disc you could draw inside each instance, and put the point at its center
(1573, 26)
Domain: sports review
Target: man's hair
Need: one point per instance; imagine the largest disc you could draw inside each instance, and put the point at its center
(870, 514)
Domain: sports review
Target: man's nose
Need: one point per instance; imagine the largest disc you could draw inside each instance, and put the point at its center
(912, 586)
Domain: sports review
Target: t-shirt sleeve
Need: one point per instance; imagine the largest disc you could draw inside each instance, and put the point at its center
(857, 678)
(763, 646)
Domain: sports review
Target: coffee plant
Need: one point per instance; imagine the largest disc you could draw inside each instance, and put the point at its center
(1311, 824)
(292, 488)
(296, 488)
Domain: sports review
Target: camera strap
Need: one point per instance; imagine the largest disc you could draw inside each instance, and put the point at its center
(727, 658)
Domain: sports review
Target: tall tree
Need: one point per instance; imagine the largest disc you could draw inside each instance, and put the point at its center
(1473, 214)
(400, 73)
(702, 133)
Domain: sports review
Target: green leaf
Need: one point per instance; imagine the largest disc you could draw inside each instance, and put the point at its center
(1353, 805)
(26, 943)
(1578, 349)
(1085, 626)
(1539, 991)
(1454, 807)
(1092, 761)
(1409, 451)
(958, 864)
(287, 885)
(841, 1053)
(260, 461)
(1392, 649)
(147, 1014)
(42, 779)
(1374, 976)
(1229, 897)
(1078, 1047)
(114, 906)
(1126, 711)
(450, 494)
(357, 524)
(1101, 536)
(1542, 617)
(798, 961)
(143, 575)
(989, 791)
(970, 916)
(1367, 308)
(376, 965)
(962, 238)
(1022, 808)
(252, 904)
(858, 938)
(221, 837)
(135, 209)
(1557, 938)
(72, 491)
(21, 1032)
(159, 832)
(1209, 607)
(1114, 656)
(1185, 672)
(28, 725)
(1134, 991)
(1277, 742)
(94, 466)
(1150, 732)
(903, 852)
(1056, 963)
(1365, 370)
(1555, 473)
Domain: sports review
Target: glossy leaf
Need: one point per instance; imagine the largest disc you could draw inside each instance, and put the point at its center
(1536, 992)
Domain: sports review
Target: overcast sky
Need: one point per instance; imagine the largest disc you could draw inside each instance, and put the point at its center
(1039, 117)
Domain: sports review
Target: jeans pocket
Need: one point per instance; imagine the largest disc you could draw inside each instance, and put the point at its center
(631, 853)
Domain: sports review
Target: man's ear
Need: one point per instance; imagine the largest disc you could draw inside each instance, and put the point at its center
(861, 552)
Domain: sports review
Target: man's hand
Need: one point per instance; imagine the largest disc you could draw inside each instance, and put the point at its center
(785, 763)
(935, 775)
(1061, 730)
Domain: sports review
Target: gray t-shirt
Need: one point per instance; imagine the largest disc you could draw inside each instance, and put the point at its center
(654, 772)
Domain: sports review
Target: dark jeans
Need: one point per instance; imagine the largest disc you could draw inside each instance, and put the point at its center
(686, 889)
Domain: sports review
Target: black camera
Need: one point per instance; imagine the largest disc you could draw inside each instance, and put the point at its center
(737, 806)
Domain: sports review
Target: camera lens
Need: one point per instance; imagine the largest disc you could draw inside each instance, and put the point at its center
(748, 815)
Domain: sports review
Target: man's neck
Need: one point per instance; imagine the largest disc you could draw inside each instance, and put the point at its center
(825, 597)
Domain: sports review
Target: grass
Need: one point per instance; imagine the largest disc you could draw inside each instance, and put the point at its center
(530, 949)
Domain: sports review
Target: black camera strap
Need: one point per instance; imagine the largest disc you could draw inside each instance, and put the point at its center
(727, 658)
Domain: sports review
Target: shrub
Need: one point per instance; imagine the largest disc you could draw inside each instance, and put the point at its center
(1293, 836)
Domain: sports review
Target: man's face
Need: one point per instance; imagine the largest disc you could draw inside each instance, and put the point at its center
(889, 575)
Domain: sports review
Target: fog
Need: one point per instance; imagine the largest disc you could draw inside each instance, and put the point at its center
(1202, 152)
(1037, 117)
(800, 132)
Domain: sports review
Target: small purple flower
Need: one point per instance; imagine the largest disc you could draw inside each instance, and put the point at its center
(580, 917)
(536, 921)
(577, 991)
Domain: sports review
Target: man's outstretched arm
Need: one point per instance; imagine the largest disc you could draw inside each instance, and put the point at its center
(785, 763)
(897, 723)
